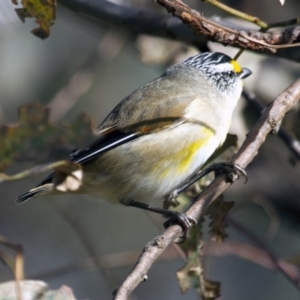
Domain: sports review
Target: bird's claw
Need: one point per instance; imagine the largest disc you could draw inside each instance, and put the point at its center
(234, 171)
(171, 199)
(184, 221)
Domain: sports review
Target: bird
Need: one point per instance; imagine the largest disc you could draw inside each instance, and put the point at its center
(158, 137)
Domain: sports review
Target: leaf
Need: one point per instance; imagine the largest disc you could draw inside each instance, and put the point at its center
(44, 11)
(217, 212)
(191, 275)
(34, 138)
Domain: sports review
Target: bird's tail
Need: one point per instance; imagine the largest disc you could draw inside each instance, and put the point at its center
(38, 191)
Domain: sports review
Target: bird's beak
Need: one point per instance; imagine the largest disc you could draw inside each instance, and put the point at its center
(245, 73)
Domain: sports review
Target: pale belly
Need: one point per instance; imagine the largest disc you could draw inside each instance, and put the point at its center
(152, 166)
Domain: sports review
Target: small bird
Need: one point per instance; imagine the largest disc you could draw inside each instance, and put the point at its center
(160, 135)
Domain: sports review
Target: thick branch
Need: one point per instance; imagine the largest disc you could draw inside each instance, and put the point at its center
(253, 40)
(267, 122)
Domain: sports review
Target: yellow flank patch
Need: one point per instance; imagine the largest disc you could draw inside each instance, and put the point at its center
(186, 155)
(184, 158)
(236, 67)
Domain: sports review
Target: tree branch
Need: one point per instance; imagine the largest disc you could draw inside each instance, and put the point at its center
(267, 122)
(254, 40)
(157, 24)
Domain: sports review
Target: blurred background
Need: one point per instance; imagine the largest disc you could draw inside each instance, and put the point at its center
(89, 66)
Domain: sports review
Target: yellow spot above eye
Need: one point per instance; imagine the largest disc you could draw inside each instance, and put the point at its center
(236, 67)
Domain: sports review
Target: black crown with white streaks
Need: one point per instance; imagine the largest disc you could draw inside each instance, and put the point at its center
(207, 59)
(216, 66)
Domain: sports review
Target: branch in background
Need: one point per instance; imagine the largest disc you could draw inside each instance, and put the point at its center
(268, 257)
(136, 20)
(256, 255)
(291, 143)
(157, 24)
(272, 115)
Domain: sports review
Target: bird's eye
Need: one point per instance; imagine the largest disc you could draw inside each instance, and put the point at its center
(231, 74)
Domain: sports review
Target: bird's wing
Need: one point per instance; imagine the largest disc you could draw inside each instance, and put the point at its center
(106, 142)
(142, 112)
(138, 114)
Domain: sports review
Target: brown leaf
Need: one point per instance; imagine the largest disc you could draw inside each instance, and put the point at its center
(189, 276)
(217, 212)
(34, 138)
(192, 274)
(44, 11)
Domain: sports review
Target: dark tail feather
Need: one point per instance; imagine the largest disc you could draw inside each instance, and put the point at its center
(26, 196)
(43, 189)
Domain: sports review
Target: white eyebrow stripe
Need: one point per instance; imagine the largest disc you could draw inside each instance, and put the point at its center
(225, 67)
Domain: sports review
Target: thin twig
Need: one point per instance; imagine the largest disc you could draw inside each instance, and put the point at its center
(252, 19)
(38, 170)
(271, 116)
(237, 13)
